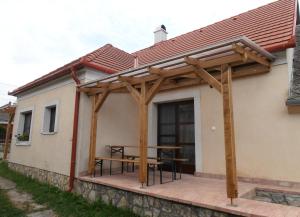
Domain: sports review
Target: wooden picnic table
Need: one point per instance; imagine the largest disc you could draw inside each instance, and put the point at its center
(150, 146)
(169, 151)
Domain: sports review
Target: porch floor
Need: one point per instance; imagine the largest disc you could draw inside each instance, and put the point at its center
(204, 192)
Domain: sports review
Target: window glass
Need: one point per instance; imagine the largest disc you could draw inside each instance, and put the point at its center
(186, 133)
(186, 113)
(27, 123)
(49, 125)
(167, 114)
(167, 129)
(52, 112)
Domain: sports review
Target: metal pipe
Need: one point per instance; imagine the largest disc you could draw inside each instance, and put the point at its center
(75, 131)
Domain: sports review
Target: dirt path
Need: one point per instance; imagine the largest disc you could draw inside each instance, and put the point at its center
(24, 201)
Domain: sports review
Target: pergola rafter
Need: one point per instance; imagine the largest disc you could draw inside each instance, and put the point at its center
(10, 110)
(214, 65)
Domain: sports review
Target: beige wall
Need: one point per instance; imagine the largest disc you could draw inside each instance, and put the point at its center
(267, 137)
(49, 152)
(117, 124)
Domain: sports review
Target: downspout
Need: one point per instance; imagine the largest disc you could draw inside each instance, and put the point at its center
(75, 131)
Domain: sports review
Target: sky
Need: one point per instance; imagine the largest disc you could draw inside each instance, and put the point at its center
(38, 36)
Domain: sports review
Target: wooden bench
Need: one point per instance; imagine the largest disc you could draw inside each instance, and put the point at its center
(99, 161)
(151, 164)
(174, 168)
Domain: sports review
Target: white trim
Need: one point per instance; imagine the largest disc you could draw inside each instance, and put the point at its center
(23, 143)
(45, 107)
(171, 96)
(20, 123)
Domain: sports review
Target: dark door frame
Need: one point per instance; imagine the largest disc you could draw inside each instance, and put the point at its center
(187, 168)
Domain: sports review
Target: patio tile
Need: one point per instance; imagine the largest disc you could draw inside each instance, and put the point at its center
(205, 192)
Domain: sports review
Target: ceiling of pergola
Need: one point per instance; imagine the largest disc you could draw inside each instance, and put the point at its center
(243, 55)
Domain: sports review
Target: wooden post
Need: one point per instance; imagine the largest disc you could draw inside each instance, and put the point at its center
(7, 136)
(93, 137)
(143, 119)
(231, 177)
(143, 98)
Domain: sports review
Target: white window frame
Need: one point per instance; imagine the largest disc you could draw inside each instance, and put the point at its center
(46, 118)
(21, 125)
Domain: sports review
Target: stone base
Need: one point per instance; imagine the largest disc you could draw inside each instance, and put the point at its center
(142, 205)
(279, 197)
(52, 178)
(280, 183)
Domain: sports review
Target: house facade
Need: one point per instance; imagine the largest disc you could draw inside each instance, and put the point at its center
(51, 134)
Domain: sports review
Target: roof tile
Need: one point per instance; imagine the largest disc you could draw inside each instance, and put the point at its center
(267, 25)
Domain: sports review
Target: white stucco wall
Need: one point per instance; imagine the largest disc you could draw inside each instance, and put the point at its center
(267, 137)
(48, 152)
(117, 124)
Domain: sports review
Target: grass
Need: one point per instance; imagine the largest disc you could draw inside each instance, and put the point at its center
(65, 204)
(7, 209)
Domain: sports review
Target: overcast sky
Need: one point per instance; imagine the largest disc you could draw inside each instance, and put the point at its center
(38, 36)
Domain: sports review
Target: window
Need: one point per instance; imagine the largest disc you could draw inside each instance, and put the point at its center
(24, 128)
(27, 123)
(50, 119)
(52, 112)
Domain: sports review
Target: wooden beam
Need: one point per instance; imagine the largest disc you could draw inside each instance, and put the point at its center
(237, 73)
(93, 137)
(156, 71)
(100, 100)
(154, 89)
(231, 177)
(181, 84)
(134, 93)
(248, 54)
(202, 73)
(8, 135)
(128, 79)
(143, 149)
(103, 84)
(169, 73)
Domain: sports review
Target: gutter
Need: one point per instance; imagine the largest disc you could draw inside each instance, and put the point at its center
(64, 70)
(97, 67)
(292, 41)
(280, 47)
(75, 131)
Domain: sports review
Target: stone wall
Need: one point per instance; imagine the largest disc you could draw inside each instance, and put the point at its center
(279, 197)
(55, 179)
(294, 97)
(143, 205)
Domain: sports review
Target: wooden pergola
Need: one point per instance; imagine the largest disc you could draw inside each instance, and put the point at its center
(214, 65)
(10, 110)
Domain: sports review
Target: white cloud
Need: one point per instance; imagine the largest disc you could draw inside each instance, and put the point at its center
(40, 35)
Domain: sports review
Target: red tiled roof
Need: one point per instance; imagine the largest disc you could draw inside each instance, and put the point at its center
(271, 26)
(108, 59)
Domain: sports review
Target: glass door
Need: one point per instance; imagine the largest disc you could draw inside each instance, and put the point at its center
(176, 128)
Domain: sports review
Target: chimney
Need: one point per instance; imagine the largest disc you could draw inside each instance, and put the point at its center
(160, 34)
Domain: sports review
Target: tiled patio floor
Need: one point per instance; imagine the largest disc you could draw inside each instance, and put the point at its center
(204, 192)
